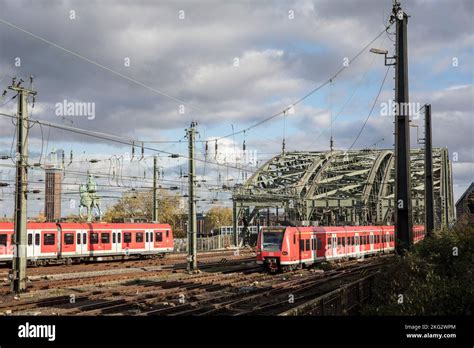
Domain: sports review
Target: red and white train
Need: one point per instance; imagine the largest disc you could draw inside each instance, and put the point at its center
(290, 247)
(68, 242)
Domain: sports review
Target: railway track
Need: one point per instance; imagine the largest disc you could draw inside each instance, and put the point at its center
(222, 288)
(170, 259)
(65, 280)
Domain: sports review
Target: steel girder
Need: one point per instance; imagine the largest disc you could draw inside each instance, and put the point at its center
(335, 188)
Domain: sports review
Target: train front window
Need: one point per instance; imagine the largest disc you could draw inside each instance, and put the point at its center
(3, 239)
(272, 239)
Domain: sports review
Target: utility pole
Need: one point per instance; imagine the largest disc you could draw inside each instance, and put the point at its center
(403, 210)
(192, 223)
(429, 203)
(18, 274)
(155, 189)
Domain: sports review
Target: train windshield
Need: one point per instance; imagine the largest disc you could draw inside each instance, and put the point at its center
(272, 239)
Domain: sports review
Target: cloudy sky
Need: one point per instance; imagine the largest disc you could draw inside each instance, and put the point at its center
(150, 68)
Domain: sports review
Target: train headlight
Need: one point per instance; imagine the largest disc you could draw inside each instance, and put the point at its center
(285, 253)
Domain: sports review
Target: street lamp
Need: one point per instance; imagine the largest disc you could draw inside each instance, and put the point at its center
(384, 52)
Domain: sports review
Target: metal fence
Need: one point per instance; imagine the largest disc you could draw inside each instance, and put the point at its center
(205, 243)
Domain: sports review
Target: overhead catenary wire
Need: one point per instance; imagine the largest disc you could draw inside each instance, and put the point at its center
(112, 138)
(371, 109)
(311, 92)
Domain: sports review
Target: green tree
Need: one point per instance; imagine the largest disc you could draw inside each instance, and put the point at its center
(435, 277)
(217, 217)
(135, 204)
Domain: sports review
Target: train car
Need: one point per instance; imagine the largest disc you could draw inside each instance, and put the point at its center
(68, 242)
(290, 247)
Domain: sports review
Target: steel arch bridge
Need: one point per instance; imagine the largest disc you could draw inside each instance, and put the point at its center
(342, 188)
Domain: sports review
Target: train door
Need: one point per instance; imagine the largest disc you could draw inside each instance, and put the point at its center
(148, 240)
(34, 244)
(371, 241)
(314, 247)
(85, 243)
(30, 245)
(116, 241)
(357, 244)
(119, 240)
(334, 245)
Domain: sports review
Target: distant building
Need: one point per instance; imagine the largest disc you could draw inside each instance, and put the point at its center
(53, 179)
(465, 206)
(52, 205)
(200, 223)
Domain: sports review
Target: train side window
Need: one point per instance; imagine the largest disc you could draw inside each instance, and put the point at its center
(301, 245)
(147, 239)
(320, 244)
(308, 245)
(114, 238)
(84, 238)
(48, 239)
(313, 243)
(105, 238)
(151, 237)
(30, 239)
(167, 233)
(294, 239)
(119, 237)
(343, 241)
(68, 238)
(127, 237)
(3, 239)
(78, 239)
(159, 237)
(338, 240)
(94, 238)
(139, 237)
(329, 241)
(37, 239)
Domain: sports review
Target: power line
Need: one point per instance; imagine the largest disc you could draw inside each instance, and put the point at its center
(307, 95)
(109, 137)
(371, 110)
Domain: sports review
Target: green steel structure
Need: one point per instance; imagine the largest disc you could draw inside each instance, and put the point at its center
(343, 188)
